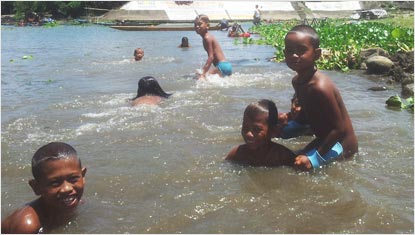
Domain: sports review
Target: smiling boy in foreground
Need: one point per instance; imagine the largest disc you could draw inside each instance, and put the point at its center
(59, 181)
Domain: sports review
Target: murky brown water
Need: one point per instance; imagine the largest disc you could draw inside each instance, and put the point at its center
(161, 169)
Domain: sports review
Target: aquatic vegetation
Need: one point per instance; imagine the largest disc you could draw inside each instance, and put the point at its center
(25, 57)
(245, 40)
(397, 102)
(51, 24)
(341, 40)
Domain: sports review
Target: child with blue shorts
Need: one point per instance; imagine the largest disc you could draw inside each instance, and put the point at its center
(322, 106)
(212, 47)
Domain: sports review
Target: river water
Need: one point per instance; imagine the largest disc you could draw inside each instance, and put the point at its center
(160, 169)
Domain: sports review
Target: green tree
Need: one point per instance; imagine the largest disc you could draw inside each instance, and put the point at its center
(58, 9)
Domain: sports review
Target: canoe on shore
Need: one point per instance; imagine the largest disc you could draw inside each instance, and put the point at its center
(165, 27)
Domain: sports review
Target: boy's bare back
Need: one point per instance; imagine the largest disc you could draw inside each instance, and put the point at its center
(212, 47)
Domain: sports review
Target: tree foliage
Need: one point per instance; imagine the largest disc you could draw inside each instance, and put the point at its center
(57, 9)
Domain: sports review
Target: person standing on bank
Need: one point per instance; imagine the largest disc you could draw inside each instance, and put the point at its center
(257, 16)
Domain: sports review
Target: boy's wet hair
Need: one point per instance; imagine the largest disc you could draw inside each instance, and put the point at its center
(49, 152)
(149, 86)
(203, 18)
(136, 50)
(264, 106)
(307, 29)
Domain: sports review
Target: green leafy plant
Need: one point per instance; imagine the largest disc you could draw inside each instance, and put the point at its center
(397, 102)
(341, 41)
(25, 57)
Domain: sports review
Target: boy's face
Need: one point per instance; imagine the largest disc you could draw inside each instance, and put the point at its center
(138, 54)
(255, 130)
(200, 27)
(61, 184)
(299, 52)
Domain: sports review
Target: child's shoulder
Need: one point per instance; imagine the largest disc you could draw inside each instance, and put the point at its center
(234, 154)
(322, 82)
(281, 149)
(22, 220)
(241, 154)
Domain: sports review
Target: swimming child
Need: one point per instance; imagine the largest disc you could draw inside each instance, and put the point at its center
(321, 104)
(138, 54)
(235, 31)
(213, 49)
(259, 122)
(59, 182)
(149, 92)
(185, 42)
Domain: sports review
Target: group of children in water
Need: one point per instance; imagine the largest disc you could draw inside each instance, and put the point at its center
(317, 106)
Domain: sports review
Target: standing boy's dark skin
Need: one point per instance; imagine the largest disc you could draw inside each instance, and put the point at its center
(322, 105)
(213, 49)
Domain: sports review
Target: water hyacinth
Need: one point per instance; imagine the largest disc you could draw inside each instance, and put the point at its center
(341, 40)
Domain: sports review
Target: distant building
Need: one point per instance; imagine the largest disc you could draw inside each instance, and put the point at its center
(234, 10)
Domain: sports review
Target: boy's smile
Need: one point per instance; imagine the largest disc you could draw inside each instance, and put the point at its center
(62, 184)
(200, 27)
(255, 130)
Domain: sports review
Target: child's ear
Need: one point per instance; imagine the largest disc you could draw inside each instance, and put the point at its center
(83, 171)
(317, 53)
(83, 174)
(35, 186)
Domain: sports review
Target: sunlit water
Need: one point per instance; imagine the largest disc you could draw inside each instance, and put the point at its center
(160, 169)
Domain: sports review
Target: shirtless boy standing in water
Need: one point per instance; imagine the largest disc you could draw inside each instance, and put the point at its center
(212, 47)
(322, 106)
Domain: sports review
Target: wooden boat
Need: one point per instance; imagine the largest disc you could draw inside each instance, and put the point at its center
(160, 27)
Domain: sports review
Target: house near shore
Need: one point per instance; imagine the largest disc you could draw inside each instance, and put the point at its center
(186, 11)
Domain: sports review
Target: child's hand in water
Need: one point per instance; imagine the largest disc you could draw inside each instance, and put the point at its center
(283, 119)
(302, 162)
(199, 75)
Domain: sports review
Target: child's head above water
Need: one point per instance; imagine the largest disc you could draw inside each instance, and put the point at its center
(259, 123)
(149, 86)
(309, 31)
(185, 42)
(58, 176)
(138, 54)
(263, 107)
(302, 50)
